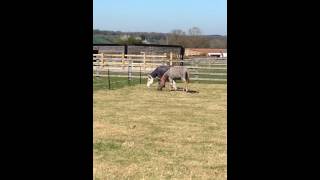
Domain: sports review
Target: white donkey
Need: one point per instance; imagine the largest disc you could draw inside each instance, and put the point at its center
(157, 73)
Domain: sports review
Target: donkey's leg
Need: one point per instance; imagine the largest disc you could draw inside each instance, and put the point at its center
(170, 80)
(185, 84)
(174, 85)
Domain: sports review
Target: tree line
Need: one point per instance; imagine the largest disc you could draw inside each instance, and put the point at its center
(193, 38)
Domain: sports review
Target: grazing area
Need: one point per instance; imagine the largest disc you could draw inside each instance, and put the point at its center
(143, 133)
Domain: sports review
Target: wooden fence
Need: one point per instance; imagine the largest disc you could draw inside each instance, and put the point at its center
(127, 65)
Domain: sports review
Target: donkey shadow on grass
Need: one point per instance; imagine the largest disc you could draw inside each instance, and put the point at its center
(182, 89)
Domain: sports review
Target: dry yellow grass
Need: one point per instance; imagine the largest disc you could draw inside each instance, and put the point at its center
(142, 133)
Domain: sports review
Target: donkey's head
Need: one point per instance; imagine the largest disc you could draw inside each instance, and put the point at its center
(162, 83)
(150, 80)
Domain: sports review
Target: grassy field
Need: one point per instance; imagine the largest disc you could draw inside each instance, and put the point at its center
(115, 82)
(142, 133)
(120, 82)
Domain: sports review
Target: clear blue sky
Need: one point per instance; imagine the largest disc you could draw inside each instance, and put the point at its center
(160, 15)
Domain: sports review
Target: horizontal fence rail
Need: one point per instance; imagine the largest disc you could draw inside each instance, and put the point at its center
(129, 65)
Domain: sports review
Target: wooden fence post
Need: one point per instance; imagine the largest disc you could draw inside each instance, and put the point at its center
(122, 59)
(130, 68)
(99, 64)
(144, 62)
(102, 62)
(140, 74)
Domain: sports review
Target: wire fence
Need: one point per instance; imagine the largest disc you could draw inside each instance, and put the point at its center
(137, 67)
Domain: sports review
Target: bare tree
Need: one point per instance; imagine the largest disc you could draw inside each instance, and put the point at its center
(178, 32)
(196, 40)
(193, 40)
(195, 31)
(176, 37)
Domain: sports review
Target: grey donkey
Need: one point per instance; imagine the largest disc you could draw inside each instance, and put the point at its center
(175, 72)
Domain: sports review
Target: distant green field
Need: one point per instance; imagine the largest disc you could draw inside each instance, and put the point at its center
(102, 39)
